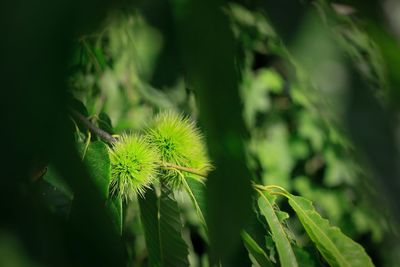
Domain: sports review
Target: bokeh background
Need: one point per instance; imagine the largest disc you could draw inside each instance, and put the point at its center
(301, 94)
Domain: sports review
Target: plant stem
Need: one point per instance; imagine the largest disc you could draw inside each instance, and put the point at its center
(269, 188)
(92, 128)
(185, 169)
(110, 139)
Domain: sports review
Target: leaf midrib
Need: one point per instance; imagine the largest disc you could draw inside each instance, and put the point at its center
(159, 229)
(342, 261)
(282, 233)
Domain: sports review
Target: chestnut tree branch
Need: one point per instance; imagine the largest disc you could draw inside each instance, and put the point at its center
(185, 169)
(92, 128)
(110, 139)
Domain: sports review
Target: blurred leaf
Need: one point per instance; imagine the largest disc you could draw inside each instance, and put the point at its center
(253, 24)
(333, 203)
(159, 14)
(304, 258)
(274, 154)
(98, 52)
(104, 122)
(13, 253)
(255, 93)
(98, 163)
(196, 192)
(270, 245)
(337, 249)
(57, 200)
(285, 251)
(257, 254)
(338, 171)
(114, 205)
(310, 130)
(78, 106)
(211, 63)
(52, 177)
(163, 229)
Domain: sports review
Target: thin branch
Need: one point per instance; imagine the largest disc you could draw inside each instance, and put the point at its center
(92, 128)
(110, 139)
(185, 169)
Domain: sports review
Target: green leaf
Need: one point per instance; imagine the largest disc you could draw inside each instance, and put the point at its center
(100, 56)
(162, 226)
(114, 205)
(270, 245)
(105, 123)
(337, 249)
(257, 254)
(57, 201)
(97, 161)
(196, 190)
(52, 177)
(77, 105)
(304, 258)
(285, 251)
(150, 222)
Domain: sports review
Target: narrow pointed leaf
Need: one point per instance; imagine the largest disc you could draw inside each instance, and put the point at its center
(196, 190)
(98, 164)
(286, 255)
(257, 255)
(97, 160)
(114, 205)
(163, 229)
(149, 217)
(337, 249)
(52, 177)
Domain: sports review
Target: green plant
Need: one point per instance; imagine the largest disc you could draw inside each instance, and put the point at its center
(179, 143)
(133, 166)
(139, 165)
(136, 193)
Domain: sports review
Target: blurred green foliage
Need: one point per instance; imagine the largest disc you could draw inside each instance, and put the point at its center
(278, 100)
(295, 143)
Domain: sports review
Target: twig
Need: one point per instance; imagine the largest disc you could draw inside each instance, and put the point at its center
(185, 169)
(110, 139)
(92, 128)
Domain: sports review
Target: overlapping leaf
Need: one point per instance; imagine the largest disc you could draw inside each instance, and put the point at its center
(257, 254)
(286, 255)
(97, 161)
(196, 191)
(114, 205)
(338, 249)
(163, 229)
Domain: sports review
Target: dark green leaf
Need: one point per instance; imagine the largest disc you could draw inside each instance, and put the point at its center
(257, 254)
(105, 123)
(337, 249)
(282, 243)
(97, 161)
(163, 229)
(99, 56)
(78, 106)
(196, 191)
(304, 258)
(114, 205)
(58, 201)
(54, 179)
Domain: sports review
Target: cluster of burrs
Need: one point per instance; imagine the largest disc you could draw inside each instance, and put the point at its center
(170, 148)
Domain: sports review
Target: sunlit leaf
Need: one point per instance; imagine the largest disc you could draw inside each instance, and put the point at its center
(257, 254)
(114, 205)
(162, 225)
(337, 249)
(286, 255)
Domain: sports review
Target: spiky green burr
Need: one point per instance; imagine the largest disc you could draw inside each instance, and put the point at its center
(134, 165)
(180, 143)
